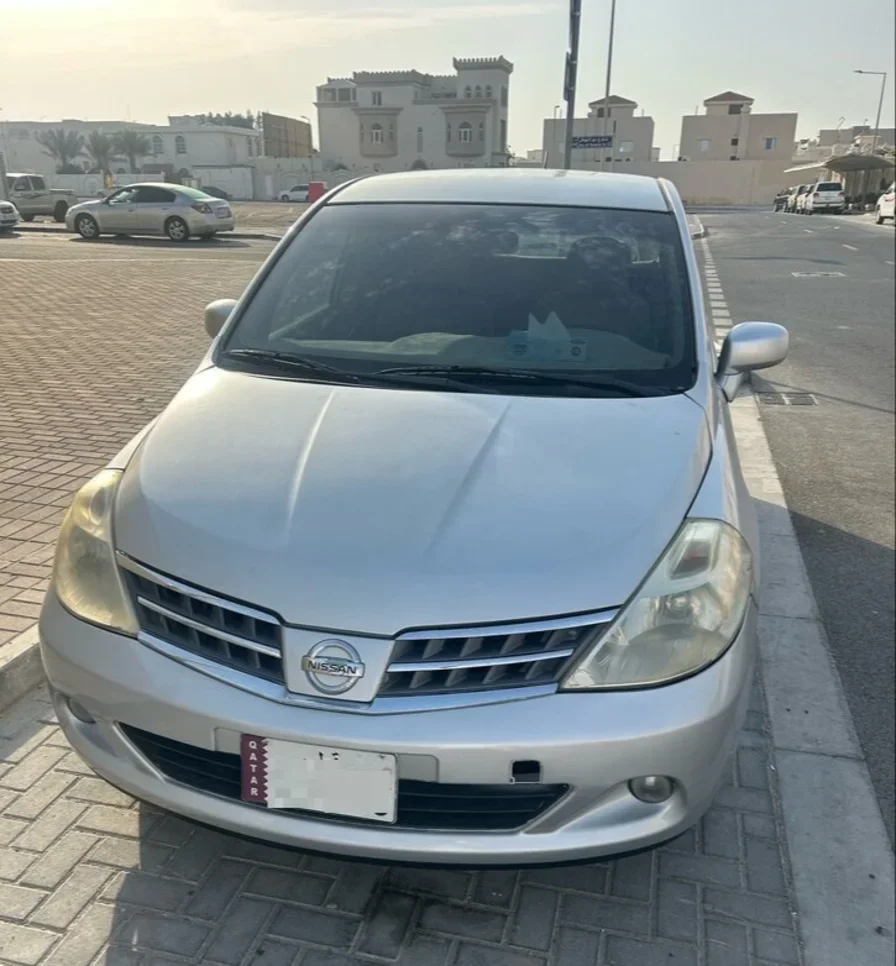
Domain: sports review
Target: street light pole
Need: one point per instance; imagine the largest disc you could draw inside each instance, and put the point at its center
(883, 83)
(569, 80)
(607, 90)
(304, 117)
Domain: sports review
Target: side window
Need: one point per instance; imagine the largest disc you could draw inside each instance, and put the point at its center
(153, 196)
(21, 184)
(38, 184)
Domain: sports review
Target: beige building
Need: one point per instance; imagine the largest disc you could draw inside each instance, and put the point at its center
(730, 131)
(395, 120)
(284, 137)
(632, 136)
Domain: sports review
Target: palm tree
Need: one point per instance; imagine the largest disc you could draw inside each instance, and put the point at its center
(133, 145)
(101, 151)
(64, 147)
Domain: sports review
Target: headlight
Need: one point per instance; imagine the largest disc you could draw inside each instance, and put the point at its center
(85, 576)
(684, 616)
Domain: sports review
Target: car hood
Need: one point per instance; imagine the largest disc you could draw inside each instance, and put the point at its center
(85, 206)
(376, 510)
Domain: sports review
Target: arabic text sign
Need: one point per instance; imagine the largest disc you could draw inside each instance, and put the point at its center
(593, 141)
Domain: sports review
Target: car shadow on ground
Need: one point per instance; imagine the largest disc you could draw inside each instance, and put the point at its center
(150, 243)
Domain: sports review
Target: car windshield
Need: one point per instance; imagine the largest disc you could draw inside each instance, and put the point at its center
(583, 291)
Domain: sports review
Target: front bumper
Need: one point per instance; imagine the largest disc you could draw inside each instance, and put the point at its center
(594, 743)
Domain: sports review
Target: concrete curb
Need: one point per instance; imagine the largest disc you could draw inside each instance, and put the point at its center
(839, 852)
(20, 667)
(48, 229)
(835, 847)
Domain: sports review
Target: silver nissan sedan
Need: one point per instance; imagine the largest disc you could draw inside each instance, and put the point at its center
(443, 554)
(176, 211)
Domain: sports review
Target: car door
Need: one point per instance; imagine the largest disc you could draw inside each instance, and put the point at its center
(154, 206)
(119, 213)
(21, 194)
(40, 195)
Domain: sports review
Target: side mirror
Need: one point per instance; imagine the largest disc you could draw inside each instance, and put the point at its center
(216, 314)
(750, 346)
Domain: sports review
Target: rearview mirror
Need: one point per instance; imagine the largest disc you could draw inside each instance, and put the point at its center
(750, 346)
(216, 314)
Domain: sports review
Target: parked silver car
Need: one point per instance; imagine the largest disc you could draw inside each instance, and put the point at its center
(443, 553)
(9, 215)
(152, 209)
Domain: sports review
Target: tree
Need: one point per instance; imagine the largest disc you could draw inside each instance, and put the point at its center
(229, 119)
(101, 151)
(64, 147)
(132, 144)
(419, 165)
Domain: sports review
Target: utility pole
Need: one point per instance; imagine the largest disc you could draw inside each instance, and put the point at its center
(606, 123)
(569, 80)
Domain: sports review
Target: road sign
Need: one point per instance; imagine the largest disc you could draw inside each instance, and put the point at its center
(593, 141)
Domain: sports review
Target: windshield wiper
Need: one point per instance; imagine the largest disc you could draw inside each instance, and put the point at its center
(529, 375)
(286, 360)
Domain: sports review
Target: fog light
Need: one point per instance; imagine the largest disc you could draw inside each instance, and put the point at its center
(80, 712)
(652, 789)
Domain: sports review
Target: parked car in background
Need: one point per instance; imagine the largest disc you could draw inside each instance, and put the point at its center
(173, 210)
(824, 196)
(216, 192)
(798, 198)
(886, 205)
(9, 216)
(403, 431)
(298, 193)
(781, 199)
(30, 194)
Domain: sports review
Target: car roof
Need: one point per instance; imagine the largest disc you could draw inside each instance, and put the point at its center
(508, 186)
(169, 186)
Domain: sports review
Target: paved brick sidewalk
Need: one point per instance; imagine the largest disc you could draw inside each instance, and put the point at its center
(90, 350)
(87, 876)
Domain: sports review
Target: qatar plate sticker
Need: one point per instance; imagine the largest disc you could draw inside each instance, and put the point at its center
(334, 781)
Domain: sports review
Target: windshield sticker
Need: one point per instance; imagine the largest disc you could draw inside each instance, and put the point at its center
(546, 341)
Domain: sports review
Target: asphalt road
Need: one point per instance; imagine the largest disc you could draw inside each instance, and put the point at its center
(835, 459)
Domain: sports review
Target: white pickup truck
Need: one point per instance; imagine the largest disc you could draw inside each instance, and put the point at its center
(30, 194)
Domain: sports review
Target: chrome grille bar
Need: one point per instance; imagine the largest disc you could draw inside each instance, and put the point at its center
(208, 629)
(501, 661)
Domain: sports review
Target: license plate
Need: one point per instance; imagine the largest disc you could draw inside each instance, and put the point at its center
(287, 774)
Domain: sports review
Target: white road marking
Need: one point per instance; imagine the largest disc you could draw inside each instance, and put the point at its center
(808, 231)
(852, 248)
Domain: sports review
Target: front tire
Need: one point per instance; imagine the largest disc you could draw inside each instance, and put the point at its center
(879, 220)
(27, 217)
(284, 198)
(59, 211)
(86, 226)
(177, 230)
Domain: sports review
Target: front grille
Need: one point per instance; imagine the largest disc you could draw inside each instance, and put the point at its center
(421, 805)
(422, 663)
(222, 631)
(483, 660)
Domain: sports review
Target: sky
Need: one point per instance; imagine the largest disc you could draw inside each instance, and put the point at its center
(145, 59)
